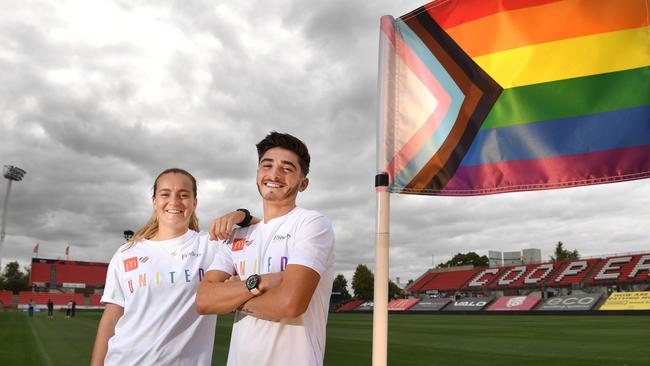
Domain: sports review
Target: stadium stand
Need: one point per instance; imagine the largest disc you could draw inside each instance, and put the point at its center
(573, 272)
(40, 298)
(524, 276)
(622, 269)
(484, 277)
(6, 299)
(95, 300)
(449, 281)
(417, 285)
(56, 273)
(349, 306)
(633, 269)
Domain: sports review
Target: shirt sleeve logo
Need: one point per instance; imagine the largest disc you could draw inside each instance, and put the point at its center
(238, 244)
(130, 264)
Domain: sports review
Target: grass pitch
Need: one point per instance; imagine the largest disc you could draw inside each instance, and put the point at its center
(413, 339)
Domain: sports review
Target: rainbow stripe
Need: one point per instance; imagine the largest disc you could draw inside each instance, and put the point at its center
(491, 96)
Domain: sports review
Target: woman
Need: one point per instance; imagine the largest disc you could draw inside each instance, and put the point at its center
(150, 316)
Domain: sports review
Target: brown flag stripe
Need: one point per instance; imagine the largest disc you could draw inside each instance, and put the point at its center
(480, 90)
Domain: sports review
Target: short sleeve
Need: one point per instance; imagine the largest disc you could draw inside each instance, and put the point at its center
(222, 260)
(112, 291)
(314, 246)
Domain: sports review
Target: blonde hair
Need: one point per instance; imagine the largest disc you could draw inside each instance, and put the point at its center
(151, 227)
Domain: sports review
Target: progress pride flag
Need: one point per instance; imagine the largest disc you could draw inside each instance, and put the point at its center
(514, 303)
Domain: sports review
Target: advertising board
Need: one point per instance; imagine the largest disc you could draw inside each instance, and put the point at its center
(577, 302)
(430, 304)
(639, 300)
(514, 303)
(402, 304)
(468, 304)
(366, 306)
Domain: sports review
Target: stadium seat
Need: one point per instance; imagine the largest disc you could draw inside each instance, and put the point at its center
(41, 298)
(449, 281)
(6, 298)
(622, 269)
(573, 272)
(417, 285)
(349, 306)
(95, 300)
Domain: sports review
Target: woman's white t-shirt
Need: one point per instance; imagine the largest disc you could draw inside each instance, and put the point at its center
(156, 284)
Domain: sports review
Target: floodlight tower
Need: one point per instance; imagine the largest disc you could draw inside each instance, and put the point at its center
(12, 173)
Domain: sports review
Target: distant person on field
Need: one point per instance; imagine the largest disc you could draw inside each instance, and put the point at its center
(50, 309)
(30, 307)
(73, 308)
(150, 317)
(68, 309)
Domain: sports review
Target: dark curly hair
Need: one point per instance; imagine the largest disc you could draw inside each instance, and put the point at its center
(285, 141)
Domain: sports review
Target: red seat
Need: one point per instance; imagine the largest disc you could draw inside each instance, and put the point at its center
(349, 306)
(448, 281)
(95, 300)
(6, 298)
(622, 269)
(41, 298)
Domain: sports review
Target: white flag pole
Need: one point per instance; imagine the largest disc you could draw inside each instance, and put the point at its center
(385, 152)
(382, 243)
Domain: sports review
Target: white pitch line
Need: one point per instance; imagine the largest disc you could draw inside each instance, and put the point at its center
(39, 345)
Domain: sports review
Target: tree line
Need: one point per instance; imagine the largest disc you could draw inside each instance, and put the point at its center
(13, 278)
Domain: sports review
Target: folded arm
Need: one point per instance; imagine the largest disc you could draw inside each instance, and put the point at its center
(288, 300)
(221, 293)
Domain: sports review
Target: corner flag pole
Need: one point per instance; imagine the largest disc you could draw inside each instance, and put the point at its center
(385, 152)
(382, 244)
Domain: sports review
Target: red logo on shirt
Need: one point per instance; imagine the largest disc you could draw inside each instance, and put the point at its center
(237, 244)
(130, 264)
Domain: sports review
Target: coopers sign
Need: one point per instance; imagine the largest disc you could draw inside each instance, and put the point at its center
(469, 304)
(578, 302)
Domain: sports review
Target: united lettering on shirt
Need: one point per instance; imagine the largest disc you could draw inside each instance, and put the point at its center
(139, 277)
(276, 258)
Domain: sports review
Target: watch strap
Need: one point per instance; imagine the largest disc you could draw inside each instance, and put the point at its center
(247, 218)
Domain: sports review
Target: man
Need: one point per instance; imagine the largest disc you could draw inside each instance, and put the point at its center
(30, 307)
(277, 273)
(50, 309)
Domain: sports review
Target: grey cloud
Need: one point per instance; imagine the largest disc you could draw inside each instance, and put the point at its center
(91, 155)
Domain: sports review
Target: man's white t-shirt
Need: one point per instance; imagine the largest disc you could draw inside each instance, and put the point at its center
(300, 237)
(156, 284)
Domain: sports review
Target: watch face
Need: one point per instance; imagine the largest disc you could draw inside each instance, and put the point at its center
(251, 282)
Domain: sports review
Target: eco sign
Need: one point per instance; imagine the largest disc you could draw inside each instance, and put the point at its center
(577, 302)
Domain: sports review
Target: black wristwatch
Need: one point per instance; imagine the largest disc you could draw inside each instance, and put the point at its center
(253, 284)
(247, 217)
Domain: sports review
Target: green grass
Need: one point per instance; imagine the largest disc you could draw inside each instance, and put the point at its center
(413, 340)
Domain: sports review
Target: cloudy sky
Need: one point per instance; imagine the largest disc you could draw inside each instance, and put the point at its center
(96, 98)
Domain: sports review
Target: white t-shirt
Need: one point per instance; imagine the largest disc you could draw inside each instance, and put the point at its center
(156, 283)
(300, 237)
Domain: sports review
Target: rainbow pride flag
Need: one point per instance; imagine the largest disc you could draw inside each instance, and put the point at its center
(489, 96)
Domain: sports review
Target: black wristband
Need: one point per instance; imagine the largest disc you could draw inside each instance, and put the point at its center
(247, 218)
